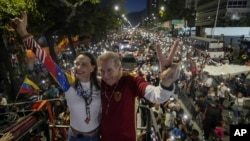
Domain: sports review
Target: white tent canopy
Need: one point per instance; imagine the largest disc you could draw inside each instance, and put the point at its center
(225, 70)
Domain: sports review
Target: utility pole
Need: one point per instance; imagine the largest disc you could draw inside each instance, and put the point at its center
(216, 17)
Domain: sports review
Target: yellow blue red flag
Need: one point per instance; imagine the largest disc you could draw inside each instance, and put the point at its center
(28, 86)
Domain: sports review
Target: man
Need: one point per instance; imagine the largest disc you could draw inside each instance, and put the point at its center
(120, 90)
(221, 93)
(212, 116)
(53, 92)
(207, 84)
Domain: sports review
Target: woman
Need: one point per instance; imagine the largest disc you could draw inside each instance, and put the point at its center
(82, 92)
(211, 94)
(180, 131)
(238, 103)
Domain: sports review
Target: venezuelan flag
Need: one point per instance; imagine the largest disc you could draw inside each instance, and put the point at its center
(28, 86)
(55, 71)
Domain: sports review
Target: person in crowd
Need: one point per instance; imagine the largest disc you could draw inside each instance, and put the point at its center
(242, 87)
(194, 88)
(119, 92)
(208, 82)
(157, 108)
(212, 116)
(179, 113)
(159, 116)
(170, 113)
(58, 110)
(193, 136)
(188, 81)
(180, 89)
(247, 63)
(7, 137)
(3, 103)
(180, 132)
(200, 105)
(199, 69)
(211, 94)
(82, 91)
(237, 105)
(193, 70)
(182, 75)
(243, 58)
(53, 92)
(188, 74)
(221, 93)
(219, 132)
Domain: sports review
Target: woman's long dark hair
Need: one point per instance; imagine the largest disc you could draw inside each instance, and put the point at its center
(93, 75)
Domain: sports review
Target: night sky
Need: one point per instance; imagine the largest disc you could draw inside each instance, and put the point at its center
(135, 5)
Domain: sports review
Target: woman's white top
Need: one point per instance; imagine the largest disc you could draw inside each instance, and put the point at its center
(77, 109)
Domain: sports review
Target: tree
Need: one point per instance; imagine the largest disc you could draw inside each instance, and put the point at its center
(175, 9)
(48, 18)
(9, 45)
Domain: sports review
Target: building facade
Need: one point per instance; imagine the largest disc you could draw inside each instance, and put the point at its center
(221, 13)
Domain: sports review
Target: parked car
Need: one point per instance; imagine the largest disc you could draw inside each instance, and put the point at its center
(128, 62)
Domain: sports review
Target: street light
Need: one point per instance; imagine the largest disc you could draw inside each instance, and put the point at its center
(162, 8)
(116, 7)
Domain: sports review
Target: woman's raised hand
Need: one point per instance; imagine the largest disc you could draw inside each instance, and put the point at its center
(21, 24)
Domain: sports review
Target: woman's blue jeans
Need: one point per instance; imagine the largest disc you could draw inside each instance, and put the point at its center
(72, 137)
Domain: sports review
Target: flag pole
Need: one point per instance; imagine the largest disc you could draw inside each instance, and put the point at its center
(19, 90)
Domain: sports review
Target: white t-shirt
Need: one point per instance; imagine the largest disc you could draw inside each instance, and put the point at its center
(77, 109)
(169, 118)
(209, 82)
(221, 91)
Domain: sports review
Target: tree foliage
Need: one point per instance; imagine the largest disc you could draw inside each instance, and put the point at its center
(175, 9)
(48, 18)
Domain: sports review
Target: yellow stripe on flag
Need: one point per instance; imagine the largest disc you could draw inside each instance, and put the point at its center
(28, 81)
(70, 78)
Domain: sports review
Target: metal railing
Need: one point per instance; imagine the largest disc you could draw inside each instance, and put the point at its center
(148, 123)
